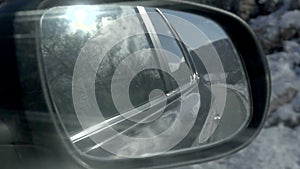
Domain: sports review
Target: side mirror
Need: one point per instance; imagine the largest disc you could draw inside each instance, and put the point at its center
(152, 84)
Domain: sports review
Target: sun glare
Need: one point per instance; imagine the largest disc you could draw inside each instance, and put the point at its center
(82, 18)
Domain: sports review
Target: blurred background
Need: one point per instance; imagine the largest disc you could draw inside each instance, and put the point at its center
(277, 26)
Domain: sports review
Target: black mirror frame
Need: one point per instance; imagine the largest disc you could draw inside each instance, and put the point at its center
(259, 79)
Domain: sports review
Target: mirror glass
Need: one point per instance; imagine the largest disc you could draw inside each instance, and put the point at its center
(133, 81)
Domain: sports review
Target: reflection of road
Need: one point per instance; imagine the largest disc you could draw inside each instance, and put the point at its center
(234, 112)
(235, 116)
(237, 105)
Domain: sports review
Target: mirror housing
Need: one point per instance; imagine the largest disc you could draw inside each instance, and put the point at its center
(251, 56)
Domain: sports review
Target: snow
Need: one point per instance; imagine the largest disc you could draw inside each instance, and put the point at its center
(285, 75)
(275, 148)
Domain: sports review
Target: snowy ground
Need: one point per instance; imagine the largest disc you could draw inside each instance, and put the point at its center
(275, 148)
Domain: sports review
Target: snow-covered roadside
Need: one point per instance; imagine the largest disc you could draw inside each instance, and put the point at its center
(285, 74)
(274, 148)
